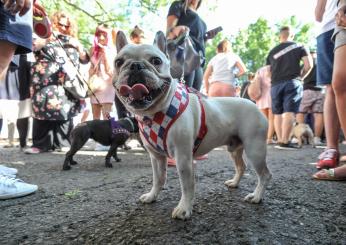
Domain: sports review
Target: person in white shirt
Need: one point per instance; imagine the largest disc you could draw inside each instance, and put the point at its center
(222, 71)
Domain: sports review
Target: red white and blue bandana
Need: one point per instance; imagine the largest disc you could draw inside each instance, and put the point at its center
(155, 129)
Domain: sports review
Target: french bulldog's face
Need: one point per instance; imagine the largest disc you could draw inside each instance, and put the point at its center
(141, 74)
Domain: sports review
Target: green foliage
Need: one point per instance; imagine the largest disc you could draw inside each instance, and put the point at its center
(88, 16)
(303, 32)
(210, 48)
(253, 44)
(72, 194)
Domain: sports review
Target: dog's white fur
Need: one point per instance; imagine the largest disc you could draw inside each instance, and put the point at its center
(302, 131)
(234, 122)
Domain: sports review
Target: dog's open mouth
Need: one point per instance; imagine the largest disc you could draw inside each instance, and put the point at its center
(139, 95)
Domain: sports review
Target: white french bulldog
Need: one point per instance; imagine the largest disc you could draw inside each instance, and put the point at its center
(182, 125)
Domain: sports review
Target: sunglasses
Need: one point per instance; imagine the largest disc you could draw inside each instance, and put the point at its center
(63, 25)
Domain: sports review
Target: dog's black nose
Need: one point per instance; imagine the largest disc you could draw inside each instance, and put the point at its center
(136, 66)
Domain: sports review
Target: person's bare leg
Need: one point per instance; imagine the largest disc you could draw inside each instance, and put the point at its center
(269, 115)
(318, 124)
(340, 172)
(85, 115)
(106, 109)
(96, 110)
(6, 54)
(265, 113)
(300, 117)
(287, 124)
(271, 129)
(331, 121)
(339, 84)
(278, 126)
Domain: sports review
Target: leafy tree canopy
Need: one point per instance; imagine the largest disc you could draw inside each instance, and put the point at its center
(252, 44)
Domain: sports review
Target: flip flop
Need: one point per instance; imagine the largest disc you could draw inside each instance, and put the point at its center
(327, 174)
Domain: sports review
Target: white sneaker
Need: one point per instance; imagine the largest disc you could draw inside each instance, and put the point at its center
(10, 172)
(294, 140)
(317, 141)
(11, 188)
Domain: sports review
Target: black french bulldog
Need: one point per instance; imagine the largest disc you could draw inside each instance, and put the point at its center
(105, 132)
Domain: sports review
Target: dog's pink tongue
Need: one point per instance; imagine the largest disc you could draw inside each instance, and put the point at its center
(125, 90)
(138, 91)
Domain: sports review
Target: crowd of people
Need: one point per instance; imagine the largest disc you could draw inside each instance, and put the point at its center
(49, 82)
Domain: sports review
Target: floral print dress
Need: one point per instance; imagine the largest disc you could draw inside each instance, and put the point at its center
(50, 101)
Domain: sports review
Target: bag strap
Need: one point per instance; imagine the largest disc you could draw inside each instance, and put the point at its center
(245, 89)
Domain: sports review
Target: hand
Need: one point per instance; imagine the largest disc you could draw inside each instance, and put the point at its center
(18, 6)
(340, 17)
(177, 31)
(38, 10)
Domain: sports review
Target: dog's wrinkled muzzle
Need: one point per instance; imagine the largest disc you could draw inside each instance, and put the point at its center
(136, 92)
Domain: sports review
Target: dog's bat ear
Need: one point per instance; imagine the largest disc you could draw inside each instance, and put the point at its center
(161, 42)
(121, 40)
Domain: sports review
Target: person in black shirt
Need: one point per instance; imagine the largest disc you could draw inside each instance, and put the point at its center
(183, 16)
(312, 102)
(286, 89)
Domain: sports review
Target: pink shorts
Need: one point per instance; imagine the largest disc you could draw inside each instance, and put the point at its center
(221, 89)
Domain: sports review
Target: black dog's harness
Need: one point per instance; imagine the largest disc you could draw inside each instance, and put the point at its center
(118, 129)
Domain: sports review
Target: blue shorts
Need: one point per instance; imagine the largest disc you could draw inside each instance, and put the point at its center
(286, 96)
(325, 58)
(16, 30)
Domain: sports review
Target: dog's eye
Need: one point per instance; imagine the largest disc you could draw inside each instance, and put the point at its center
(156, 61)
(118, 62)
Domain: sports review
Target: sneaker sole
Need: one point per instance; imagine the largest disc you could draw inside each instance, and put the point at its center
(285, 148)
(21, 194)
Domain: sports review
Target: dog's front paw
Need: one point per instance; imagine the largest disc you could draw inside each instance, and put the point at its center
(147, 198)
(109, 165)
(181, 212)
(252, 198)
(117, 159)
(73, 162)
(66, 167)
(232, 183)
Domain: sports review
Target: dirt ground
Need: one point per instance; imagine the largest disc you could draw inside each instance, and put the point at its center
(94, 205)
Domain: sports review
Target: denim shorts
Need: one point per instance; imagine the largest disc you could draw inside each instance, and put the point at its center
(325, 58)
(286, 96)
(17, 30)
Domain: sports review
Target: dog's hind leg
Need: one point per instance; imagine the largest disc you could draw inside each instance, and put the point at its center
(159, 166)
(256, 153)
(237, 156)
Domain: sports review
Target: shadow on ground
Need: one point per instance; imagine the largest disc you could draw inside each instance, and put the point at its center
(94, 205)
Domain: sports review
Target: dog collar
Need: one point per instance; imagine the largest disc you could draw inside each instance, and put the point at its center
(117, 128)
(131, 123)
(155, 128)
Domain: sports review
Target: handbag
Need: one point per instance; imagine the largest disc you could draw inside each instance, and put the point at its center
(183, 56)
(95, 83)
(76, 87)
(254, 90)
